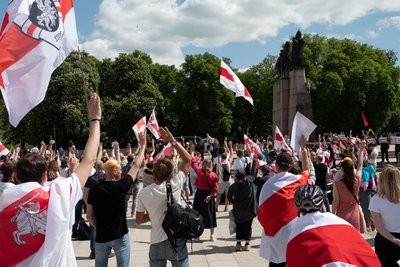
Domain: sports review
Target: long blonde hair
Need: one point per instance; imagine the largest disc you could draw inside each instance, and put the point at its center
(389, 184)
(207, 165)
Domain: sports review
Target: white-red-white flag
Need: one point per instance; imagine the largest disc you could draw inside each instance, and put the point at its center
(36, 223)
(277, 213)
(256, 148)
(152, 125)
(280, 142)
(167, 150)
(323, 239)
(229, 79)
(140, 127)
(36, 37)
(3, 150)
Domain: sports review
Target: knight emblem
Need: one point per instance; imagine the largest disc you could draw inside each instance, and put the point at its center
(29, 220)
(44, 22)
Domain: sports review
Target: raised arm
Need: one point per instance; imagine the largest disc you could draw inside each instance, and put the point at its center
(140, 156)
(166, 136)
(360, 159)
(90, 151)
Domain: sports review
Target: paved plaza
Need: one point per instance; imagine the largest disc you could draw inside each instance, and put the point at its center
(220, 253)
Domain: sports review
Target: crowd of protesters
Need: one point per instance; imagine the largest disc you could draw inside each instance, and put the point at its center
(285, 189)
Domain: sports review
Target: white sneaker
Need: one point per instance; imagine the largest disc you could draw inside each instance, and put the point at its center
(212, 238)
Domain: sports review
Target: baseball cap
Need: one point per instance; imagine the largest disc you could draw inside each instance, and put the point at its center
(34, 150)
(284, 159)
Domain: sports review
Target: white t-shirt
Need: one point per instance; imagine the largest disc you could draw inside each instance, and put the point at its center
(240, 164)
(390, 213)
(373, 157)
(153, 199)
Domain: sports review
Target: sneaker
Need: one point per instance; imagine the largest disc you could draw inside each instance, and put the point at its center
(212, 238)
(112, 254)
(246, 247)
(92, 256)
(238, 247)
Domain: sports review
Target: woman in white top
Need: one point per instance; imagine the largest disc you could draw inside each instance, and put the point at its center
(385, 210)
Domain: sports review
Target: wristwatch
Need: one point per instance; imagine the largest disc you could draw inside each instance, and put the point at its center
(174, 143)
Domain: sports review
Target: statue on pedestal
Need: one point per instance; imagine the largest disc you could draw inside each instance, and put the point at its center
(283, 63)
(297, 51)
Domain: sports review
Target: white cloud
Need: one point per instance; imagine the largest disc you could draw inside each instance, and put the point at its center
(351, 36)
(389, 22)
(163, 27)
(371, 34)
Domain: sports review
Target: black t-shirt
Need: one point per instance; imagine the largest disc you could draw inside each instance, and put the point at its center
(108, 199)
(320, 175)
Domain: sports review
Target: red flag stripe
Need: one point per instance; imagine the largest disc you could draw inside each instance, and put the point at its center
(330, 244)
(2, 147)
(279, 209)
(5, 23)
(66, 6)
(225, 73)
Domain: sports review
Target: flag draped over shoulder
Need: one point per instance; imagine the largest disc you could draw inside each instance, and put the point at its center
(232, 82)
(323, 239)
(3, 150)
(36, 223)
(139, 127)
(280, 142)
(152, 125)
(277, 213)
(36, 37)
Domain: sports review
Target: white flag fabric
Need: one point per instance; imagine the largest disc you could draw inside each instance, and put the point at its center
(256, 148)
(323, 239)
(232, 82)
(139, 127)
(3, 150)
(152, 125)
(36, 223)
(36, 37)
(301, 126)
(280, 142)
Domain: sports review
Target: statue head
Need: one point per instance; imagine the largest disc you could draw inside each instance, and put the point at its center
(298, 34)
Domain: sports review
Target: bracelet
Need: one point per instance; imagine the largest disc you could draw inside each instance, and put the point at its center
(95, 119)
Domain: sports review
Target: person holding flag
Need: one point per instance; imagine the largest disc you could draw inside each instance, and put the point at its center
(277, 212)
(323, 239)
(36, 216)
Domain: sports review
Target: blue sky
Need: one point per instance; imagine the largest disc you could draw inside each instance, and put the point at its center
(243, 30)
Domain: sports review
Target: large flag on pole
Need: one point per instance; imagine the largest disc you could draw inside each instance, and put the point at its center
(139, 127)
(323, 239)
(3, 150)
(36, 37)
(152, 125)
(256, 148)
(280, 142)
(229, 79)
(302, 126)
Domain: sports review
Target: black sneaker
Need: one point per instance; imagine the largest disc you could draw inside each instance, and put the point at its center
(92, 256)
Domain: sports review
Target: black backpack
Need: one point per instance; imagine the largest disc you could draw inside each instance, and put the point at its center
(247, 169)
(226, 175)
(181, 222)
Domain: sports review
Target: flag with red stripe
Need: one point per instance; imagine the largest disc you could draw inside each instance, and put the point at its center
(277, 213)
(323, 239)
(36, 37)
(364, 118)
(152, 125)
(256, 148)
(167, 150)
(3, 150)
(232, 82)
(36, 223)
(280, 142)
(139, 127)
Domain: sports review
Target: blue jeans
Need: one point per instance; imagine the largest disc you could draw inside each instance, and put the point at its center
(326, 202)
(161, 252)
(122, 249)
(92, 240)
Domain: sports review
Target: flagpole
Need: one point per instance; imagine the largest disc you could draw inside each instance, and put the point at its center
(83, 82)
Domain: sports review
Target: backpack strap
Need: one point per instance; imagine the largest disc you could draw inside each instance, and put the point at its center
(170, 201)
(170, 197)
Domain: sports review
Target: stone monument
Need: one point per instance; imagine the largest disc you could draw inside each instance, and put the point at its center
(291, 92)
